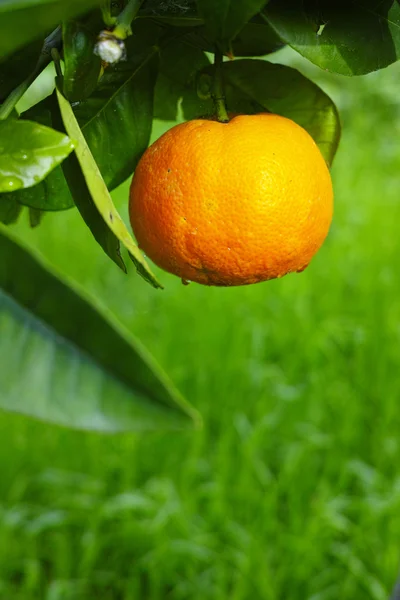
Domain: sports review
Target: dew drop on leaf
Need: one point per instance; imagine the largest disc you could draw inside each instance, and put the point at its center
(14, 183)
(20, 156)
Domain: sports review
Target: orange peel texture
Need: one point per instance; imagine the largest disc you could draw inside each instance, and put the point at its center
(232, 203)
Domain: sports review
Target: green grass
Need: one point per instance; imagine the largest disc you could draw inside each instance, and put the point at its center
(292, 489)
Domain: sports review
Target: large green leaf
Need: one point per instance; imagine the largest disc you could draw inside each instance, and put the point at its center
(117, 118)
(67, 361)
(256, 38)
(225, 18)
(254, 85)
(28, 152)
(351, 39)
(22, 21)
(52, 193)
(81, 65)
(96, 201)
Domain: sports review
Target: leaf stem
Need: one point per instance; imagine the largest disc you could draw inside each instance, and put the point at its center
(105, 8)
(14, 97)
(217, 93)
(123, 22)
(52, 41)
(56, 59)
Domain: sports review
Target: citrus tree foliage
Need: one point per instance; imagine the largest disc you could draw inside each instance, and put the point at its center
(118, 66)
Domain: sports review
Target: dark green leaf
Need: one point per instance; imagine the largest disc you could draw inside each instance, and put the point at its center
(9, 209)
(179, 13)
(256, 38)
(49, 195)
(254, 85)
(81, 65)
(117, 119)
(113, 228)
(17, 67)
(22, 21)
(180, 63)
(225, 18)
(67, 361)
(28, 152)
(351, 39)
(35, 217)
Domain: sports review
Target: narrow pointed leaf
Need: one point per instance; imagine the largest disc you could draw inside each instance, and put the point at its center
(79, 189)
(99, 192)
(28, 152)
(347, 38)
(254, 85)
(66, 361)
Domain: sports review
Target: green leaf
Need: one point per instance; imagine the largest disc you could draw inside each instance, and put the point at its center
(117, 119)
(350, 39)
(22, 21)
(67, 361)
(225, 18)
(52, 193)
(180, 63)
(79, 189)
(81, 65)
(113, 228)
(28, 152)
(254, 85)
(9, 209)
(17, 67)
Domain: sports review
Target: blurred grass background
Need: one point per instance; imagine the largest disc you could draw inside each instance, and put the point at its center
(292, 489)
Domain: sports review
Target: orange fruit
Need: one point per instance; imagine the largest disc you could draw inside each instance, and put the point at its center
(232, 203)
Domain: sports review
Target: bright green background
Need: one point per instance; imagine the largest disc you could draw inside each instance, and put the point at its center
(292, 489)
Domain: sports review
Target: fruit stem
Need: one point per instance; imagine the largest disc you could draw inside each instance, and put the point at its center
(122, 28)
(217, 93)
